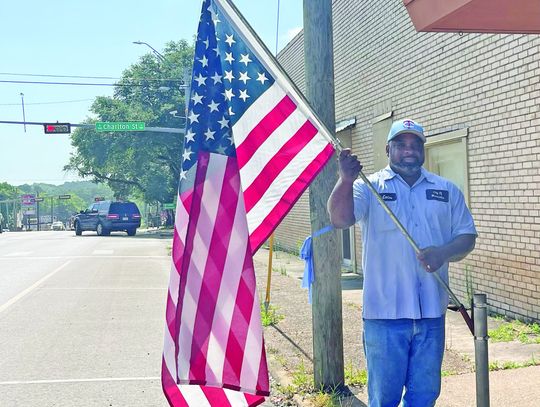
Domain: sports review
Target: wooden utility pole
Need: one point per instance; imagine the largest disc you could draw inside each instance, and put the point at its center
(326, 294)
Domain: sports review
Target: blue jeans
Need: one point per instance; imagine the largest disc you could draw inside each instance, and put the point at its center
(404, 353)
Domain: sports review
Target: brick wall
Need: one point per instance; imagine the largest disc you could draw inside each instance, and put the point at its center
(488, 83)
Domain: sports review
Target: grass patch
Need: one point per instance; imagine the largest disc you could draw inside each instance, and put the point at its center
(281, 270)
(355, 377)
(516, 331)
(511, 365)
(446, 373)
(270, 316)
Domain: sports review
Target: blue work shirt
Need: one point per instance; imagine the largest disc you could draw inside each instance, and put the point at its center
(434, 213)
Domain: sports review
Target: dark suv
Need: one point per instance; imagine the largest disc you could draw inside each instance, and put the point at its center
(107, 216)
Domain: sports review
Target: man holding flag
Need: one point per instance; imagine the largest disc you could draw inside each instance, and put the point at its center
(251, 148)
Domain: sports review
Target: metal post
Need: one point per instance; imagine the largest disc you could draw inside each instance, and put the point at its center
(481, 350)
(23, 114)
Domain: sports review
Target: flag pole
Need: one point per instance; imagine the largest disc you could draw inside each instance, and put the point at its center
(269, 277)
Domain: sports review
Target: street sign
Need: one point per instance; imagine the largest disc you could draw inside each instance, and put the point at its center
(99, 198)
(169, 206)
(28, 199)
(119, 126)
(57, 128)
(64, 196)
(39, 199)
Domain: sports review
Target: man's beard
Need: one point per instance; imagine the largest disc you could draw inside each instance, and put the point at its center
(411, 166)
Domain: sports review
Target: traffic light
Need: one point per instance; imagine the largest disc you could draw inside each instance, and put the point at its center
(57, 128)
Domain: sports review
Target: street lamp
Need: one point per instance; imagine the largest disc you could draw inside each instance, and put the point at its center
(187, 73)
(154, 51)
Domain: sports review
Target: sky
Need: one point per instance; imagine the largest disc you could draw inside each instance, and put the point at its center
(90, 38)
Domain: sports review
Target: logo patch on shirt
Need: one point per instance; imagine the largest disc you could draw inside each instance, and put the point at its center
(437, 195)
(388, 196)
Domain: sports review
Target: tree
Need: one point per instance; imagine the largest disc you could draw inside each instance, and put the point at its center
(145, 164)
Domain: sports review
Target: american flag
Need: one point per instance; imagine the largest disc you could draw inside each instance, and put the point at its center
(251, 148)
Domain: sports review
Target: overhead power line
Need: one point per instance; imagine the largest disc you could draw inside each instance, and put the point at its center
(94, 84)
(47, 103)
(59, 76)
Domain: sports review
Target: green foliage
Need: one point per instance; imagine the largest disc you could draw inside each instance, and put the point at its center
(270, 316)
(145, 164)
(8, 191)
(354, 376)
(511, 365)
(516, 330)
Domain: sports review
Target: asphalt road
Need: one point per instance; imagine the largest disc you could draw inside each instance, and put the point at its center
(81, 319)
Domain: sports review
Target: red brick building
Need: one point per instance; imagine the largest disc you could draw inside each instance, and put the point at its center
(478, 97)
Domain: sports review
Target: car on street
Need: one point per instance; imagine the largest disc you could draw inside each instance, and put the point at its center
(105, 217)
(57, 226)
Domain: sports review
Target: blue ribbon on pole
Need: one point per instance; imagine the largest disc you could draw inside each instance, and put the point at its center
(306, 254)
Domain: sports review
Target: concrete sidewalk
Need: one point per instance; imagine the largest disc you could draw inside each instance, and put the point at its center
(513, 387)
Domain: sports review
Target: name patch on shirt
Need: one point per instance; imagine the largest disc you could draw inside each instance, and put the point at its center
(388, 196)
(437, 195)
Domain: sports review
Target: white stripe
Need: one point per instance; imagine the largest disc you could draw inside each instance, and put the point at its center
(236, 398)
(271, 146)
(256, 112)
(98, 379)
(169, 353)
(283, 181)
(88, 257)
(199, 256)
(194, 395)
(254, 345)
(31, 288)
(228, 291)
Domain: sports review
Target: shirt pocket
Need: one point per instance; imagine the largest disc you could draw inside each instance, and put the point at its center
(382, 222)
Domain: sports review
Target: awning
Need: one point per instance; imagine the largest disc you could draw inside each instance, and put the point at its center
(485, 16)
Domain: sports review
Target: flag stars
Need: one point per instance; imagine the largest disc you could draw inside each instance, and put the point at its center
(201, 80)
(190, 136)
(244, 77)
(213, 106)
(229, 94)
(197, 98)
(231, 113)
(209, 134)
(203, 61)
(186, 154)
(183, 175)
(216, 50)
(262, 78)
(229, 57)
(229, 75)
(243, 95)
(216, 78)
(245, 59)
(193, 118)
(206, 43)
(224, 123)
(230, 40)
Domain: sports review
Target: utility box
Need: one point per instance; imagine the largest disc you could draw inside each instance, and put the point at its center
(481, 16)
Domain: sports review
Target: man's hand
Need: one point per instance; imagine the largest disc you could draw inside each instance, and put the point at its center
(432, 258)
(349, 166)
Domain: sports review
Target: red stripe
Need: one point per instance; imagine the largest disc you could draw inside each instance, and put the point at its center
(263, 231)
(240, 322)
(213, 272)
(194, 211)
(170, 389)
(263, 372)
(264, 129)
(279, 161)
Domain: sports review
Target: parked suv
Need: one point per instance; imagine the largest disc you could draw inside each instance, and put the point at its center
(107, 216)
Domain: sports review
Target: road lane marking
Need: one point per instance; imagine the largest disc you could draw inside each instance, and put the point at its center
(92, 257)
(99, 379)
(31, 288)
(17, 254)
(102, 252)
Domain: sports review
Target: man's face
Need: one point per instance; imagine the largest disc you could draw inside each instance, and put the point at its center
(406, 154)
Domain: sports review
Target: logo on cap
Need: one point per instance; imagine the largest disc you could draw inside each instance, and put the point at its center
(408, 124)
